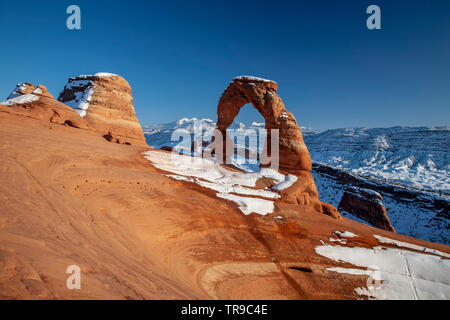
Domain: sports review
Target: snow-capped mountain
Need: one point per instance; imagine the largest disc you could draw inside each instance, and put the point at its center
(415, 157)
(159, 135)
(408, 166)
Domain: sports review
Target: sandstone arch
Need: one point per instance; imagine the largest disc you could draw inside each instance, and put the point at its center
(261, 93)
(293, 155)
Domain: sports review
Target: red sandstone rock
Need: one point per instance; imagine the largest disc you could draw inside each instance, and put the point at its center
(104, 100)
(29, 88)
(262, 95)
(366, 204)
(293, 155)
(36, 102)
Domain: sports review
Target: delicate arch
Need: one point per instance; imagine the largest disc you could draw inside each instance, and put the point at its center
(261, 93)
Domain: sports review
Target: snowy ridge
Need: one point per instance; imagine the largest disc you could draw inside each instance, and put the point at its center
(414, 157)
(20, 99)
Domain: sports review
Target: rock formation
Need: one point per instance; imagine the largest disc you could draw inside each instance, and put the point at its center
(293, 153)
(36, 102)
(104, 100)
(261, 93)
(29, 88)
(366, 204)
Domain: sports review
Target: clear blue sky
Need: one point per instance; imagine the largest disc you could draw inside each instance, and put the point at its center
(180, 55)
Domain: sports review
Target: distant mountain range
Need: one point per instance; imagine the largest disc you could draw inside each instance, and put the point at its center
(408, 166)
(159, 135)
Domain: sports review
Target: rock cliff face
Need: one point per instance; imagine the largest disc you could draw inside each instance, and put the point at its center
(293, 154)
(104, 100)
(366, 204)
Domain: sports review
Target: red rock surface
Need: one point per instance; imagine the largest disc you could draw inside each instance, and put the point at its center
(367, 205)
(110, 108)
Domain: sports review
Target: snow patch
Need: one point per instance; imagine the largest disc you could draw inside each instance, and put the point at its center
(411, 246)
(400, 274)
(289, 180)
(249, 205)
(21, 99)
(345, 234)
(82, 98)
(230, 185)
(251, 78)
(18, 91)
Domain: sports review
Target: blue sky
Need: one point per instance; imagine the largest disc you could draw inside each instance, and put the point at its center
(179, 56)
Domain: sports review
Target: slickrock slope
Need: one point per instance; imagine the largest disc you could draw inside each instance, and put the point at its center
(366, 204)
(69, 197)
(104, 100)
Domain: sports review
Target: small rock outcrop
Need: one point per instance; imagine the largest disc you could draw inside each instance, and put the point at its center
(293, 154)
(367, 205)
(104, 100)
(29, 88)
(37, 103)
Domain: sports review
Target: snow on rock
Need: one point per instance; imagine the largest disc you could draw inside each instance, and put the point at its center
(345, 234)
(393, 273)
(415, 214)
(411, 246)
(20, 99)
(82, 94)
(83, 87)
(230, 185)
(21, 89)
(98, 74)
(249, 205)
(411, 211)
(251, 78)
(105, 102)
(343, 241)
(413, 156)
(288, 181)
